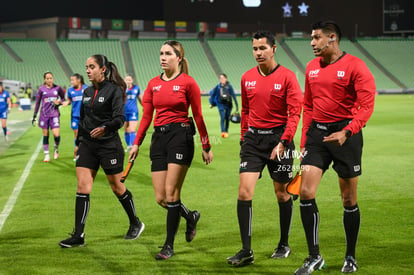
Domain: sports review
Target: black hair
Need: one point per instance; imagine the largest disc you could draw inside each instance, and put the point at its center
(223, 74)
(80, 77)
(45, 73)
(328, 27)
(111, 73)
(265, 34)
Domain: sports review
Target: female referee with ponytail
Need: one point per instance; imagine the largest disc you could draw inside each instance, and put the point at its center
(98, 144)
(172, 145)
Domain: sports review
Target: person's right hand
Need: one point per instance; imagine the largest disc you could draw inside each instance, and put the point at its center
(34, 121)
(75, 153)
(133, 153)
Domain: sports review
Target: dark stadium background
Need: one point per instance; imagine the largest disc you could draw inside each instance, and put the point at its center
(358, 18)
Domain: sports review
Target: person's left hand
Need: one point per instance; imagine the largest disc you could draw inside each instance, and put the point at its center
(207, 157)
(98, 132)
(337, 138)
(278, 152)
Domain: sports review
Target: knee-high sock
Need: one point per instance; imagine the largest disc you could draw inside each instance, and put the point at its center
(57, 142)
(351, 221)
(81, 212)
(244, 215)
(310, 220)
(127, 202)
(132, 136)
(285, 219)
(46, 144)
(173, 220)
(186, 213)
(127, 138)
(5, 131)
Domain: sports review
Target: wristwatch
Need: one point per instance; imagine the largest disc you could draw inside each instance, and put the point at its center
(348, 133)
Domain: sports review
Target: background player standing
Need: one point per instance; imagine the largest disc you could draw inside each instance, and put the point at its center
(222, 96)
(5, 107)
(133, 93)
(74, 94)
(51, 97)
(172, 145)
(271, 107)
(339, 100)
(98, 144)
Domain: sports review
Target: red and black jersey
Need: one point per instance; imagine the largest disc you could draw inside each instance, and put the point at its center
(339, 91)
(271, 101)
(171, 100)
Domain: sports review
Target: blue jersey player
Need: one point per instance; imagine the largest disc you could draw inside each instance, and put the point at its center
(75, 93)
(131, 111)
(5, 106)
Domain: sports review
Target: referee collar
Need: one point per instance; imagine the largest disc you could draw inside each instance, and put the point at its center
(264, 75)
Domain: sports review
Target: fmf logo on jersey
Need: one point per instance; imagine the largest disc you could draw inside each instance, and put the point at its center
(314, 73)
(176, 88)
(86, 99)
(341, 74)
(250, 85)
(278, 87)
(156, 88)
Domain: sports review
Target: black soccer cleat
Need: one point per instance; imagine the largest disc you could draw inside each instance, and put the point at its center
(73, 241)
(134, 231)
(242, 258)
(281, 252)
(350, 265)
(165, 253)
(311, 264)
(191, 226)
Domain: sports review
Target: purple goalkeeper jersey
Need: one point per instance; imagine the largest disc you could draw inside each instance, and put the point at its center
(47, 96)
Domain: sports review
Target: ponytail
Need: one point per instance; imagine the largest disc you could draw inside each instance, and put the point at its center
(111, 72)
(184, 65)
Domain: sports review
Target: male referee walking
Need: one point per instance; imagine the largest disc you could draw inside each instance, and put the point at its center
(271, 106)
(339, 100)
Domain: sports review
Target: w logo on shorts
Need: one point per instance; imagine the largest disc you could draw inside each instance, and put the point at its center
(357, 168)
(113, 161)
(179, 156)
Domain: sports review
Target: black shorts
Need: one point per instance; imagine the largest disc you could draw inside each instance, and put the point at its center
(255, 153)
(109, 154)
(346, 158)
(172, 143)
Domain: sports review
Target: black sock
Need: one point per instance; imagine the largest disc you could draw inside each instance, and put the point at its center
(310, 220)
(5, 131)
(127, 202)
(285, 219)
(244, 214)
(351, 225)
(57, 141)
(186, 213)
(173, 220)
(81, 212)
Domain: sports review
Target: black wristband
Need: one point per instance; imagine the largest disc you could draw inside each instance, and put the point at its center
(348, 133)
(284, 142)
(207, 149)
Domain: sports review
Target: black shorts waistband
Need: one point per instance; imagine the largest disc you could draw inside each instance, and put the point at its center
(168, 127)
(331, 127)
(268, 131)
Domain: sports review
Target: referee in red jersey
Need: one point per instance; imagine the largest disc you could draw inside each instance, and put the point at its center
(172, 144)
(339, 100)
(271, 107)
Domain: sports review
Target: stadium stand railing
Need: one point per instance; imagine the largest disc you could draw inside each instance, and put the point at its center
(37, 58)
(395, 55)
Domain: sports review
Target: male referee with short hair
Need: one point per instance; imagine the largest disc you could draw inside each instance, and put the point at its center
(339, 100)
(271, 106)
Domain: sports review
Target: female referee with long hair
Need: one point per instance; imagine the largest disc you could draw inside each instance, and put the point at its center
(98, 144)
(172, 145)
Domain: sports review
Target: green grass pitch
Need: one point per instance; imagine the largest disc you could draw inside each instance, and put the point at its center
(44, 211)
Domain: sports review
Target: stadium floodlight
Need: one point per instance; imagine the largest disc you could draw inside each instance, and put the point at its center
(252, 3)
